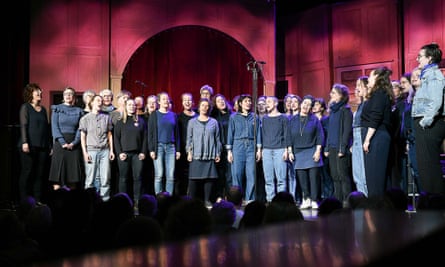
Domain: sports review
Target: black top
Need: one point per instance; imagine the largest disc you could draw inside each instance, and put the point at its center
(34, 127)
(130, 136)
(377, 111)
(183, 120)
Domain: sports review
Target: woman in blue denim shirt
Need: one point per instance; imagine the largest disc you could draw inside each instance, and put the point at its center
(429, 124)
(243, 138)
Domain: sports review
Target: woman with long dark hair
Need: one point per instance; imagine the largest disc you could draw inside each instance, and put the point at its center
(376, 123)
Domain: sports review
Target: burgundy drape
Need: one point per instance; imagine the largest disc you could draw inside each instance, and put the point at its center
(182, 59)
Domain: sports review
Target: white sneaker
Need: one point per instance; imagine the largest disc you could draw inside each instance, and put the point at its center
(306, 204)
(314, 205)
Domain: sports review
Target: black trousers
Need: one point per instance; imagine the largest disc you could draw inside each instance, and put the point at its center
(428, 154)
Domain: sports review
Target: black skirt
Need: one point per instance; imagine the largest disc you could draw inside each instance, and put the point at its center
(202, 169)
(66, 165)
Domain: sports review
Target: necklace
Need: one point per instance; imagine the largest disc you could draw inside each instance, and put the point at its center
(303, 122)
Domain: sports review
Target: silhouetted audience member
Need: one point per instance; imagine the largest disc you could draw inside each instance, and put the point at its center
(71, 219)
(26, 205)
(280, 212)
(148, 205)
(284, 197)
(431, 201)
(223, 216)
(187, 219)
(109, 216)
(354, 199)
(398, 198)
(329, 205)
(165, 202)
(138, 231)
(235, 195)
(38, 226)
(16, 248)
(253, 215)
(376, 203)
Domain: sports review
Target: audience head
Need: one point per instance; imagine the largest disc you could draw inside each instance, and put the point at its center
(138, 231)
(398, 198)
(187, 219)
(431, 201)
(284, 196)
(223, 215)
(253, 214)
(235, 195)
(329, 205)
(147, 205)
(282, 211)
(355, 198)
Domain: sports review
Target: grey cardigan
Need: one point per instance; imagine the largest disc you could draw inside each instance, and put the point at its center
(203, 139)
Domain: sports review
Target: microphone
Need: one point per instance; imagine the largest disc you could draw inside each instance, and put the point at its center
(248, 65)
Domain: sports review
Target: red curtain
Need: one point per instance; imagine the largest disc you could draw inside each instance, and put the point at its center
(183, 59)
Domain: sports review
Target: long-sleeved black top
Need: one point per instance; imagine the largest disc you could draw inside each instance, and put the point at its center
(130, 136)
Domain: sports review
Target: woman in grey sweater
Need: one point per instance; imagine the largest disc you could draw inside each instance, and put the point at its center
(203, 151)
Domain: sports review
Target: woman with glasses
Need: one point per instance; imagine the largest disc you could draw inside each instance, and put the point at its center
(429, 125)
(66, 165)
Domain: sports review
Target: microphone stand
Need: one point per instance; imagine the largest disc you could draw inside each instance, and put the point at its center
(253, 67)
(411, 183)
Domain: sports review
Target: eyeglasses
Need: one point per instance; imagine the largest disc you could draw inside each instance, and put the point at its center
(68, 94)
(419, 56)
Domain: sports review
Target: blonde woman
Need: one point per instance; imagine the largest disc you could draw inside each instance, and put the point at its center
(130, 143)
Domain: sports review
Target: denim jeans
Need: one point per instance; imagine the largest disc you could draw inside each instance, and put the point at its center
(131, 165)
(274, 167)
(99, 167)
(358, 161)
(244, 165)
(165, 157)
(293, 185)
